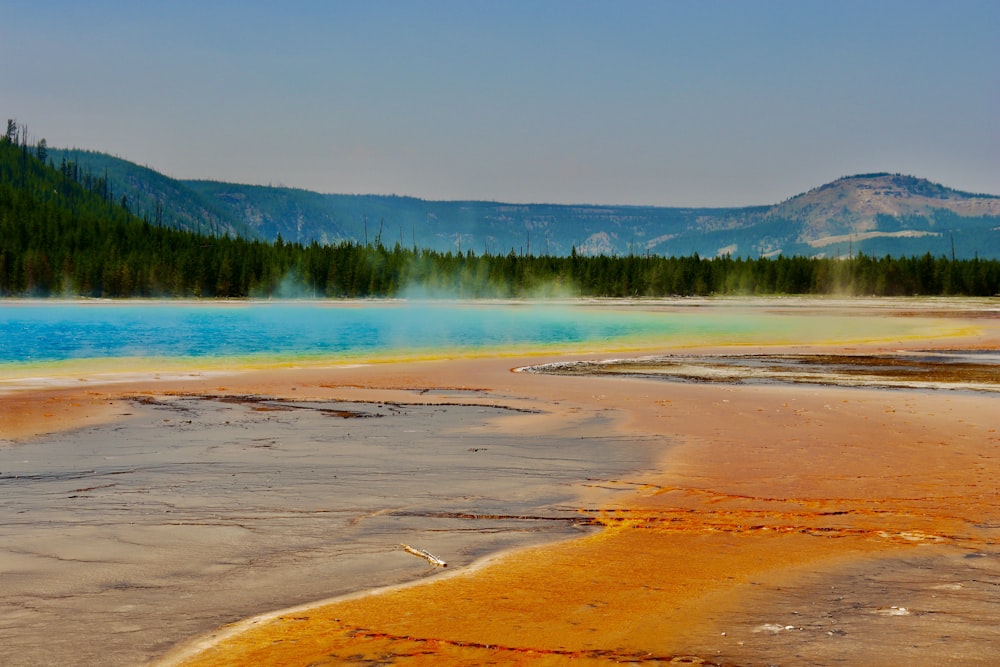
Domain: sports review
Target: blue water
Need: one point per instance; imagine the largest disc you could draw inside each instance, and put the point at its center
(33, 332)
(38, 332)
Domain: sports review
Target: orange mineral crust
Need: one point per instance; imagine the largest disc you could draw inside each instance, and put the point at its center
(765, 501)
(29, 414)
(632, 593)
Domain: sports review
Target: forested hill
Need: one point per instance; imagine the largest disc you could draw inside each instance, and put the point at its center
(266, 212)
(875, 214)
(67, 232)
(162, 200)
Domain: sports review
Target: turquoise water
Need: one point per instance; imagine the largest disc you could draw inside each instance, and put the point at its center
(44, 332)
(39, 332)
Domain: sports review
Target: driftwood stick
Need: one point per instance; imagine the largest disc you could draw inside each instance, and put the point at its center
(426, 555)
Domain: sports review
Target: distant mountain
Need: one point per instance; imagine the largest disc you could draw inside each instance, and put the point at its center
(459, 226)
(880, 214)
(861, 209)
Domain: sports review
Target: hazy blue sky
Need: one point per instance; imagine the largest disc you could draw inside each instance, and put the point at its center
(671, 103)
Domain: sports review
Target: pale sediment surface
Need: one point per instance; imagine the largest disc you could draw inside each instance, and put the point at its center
(935, 605)
(963, 370)
(120, 540)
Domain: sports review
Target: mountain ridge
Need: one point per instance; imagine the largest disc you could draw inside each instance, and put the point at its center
(875, 213)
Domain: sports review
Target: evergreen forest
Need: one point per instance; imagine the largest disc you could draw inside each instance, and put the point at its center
(64, 233)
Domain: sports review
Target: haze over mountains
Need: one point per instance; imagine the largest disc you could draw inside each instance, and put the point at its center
(876, 214)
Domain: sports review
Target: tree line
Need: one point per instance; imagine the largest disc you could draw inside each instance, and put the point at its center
(63, 233)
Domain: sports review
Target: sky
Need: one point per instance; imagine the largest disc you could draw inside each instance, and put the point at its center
(671, 103)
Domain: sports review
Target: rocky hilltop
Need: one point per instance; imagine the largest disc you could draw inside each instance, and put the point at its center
(872, 205)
